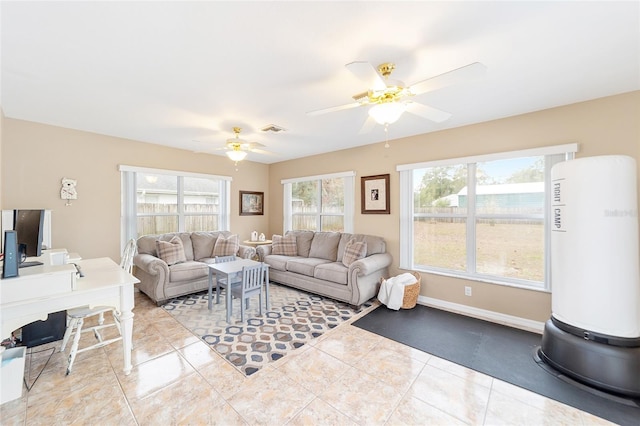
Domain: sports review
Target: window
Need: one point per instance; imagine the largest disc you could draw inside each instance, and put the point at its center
(320, 203)
(480, 217)
(161, 201)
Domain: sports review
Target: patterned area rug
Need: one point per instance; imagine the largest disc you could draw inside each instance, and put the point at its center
(294, 318)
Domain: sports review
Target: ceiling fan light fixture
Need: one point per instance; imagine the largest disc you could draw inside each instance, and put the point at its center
(387, 112)
(236, 154)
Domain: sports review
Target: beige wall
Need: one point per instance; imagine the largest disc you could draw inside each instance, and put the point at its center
(35, 157)
(606, 126)
(1, 135)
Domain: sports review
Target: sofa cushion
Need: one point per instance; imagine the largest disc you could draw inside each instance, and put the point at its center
(186, 241)
(354, 250)
(325, 245)
(304, 266)
(303, 241)
(277, 262)
(374, 244)
(335, 272)
(285, 246)
(171, 252)
(147, 245)
(187, 271)
(203, 244)
(226, 246)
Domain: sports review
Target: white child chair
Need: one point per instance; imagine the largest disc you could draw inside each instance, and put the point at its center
(77, 316)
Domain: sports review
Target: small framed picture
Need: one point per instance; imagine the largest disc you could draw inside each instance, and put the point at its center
(375, 194)
(251, 203)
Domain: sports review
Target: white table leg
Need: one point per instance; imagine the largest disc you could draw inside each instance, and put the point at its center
(126, 324)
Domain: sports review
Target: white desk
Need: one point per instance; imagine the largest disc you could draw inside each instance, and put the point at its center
(104, 283)
(228, 270)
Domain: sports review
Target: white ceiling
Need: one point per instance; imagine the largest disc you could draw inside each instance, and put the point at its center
(183, 74)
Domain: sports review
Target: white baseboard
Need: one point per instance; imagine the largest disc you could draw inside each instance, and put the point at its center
(496, 317)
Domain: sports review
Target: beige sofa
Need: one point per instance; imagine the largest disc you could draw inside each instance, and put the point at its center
(318, 264)
(162, 281)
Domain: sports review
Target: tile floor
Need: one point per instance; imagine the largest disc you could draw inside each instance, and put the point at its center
(346, 377)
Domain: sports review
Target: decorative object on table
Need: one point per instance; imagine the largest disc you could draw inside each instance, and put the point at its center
(68, 190)
(261, 238)
(294, 319)
(254, 236)
(251, 203)
(375, 194)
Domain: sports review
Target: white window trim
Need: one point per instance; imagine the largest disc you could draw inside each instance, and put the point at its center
(128, 202)
(406, 209)
(124, 168)
(349, 197)
(533, 152)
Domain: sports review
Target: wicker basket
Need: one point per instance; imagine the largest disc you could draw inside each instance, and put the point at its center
(411, 293)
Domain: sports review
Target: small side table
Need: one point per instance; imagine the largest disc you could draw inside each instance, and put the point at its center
(256, 243)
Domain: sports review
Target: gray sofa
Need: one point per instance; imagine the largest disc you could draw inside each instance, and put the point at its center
(162, 282)
(317, 266)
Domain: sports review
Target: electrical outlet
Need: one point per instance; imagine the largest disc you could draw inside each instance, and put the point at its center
(467, 291)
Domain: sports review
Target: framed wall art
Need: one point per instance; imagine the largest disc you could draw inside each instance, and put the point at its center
(251, 203)
(375, 194)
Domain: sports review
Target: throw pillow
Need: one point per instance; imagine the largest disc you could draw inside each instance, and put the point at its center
(172, 251)
(354, 251)
(285, 246)
(226, 246)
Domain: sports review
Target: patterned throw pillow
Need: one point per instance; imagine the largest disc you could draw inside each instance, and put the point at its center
(171, 252)
(226, 246)
(285, 246)
(354, 251)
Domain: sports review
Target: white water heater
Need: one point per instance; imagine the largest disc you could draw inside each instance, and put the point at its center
(595, 271)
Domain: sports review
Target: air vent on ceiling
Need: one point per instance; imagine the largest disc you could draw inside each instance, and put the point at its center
(273, 128)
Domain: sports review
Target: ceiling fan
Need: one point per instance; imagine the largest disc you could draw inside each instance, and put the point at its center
(390, 98)
(237, 149)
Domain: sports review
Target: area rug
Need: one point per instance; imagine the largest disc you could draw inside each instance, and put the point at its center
(496, 350)
(294, 319)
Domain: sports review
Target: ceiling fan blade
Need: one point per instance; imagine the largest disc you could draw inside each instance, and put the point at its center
(368, 125)
(367, 73)
(463, 74)
(332, 109)
(249, 146)
(262, 151)
(430, 113)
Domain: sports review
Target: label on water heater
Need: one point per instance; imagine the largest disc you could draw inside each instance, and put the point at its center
(558, 223)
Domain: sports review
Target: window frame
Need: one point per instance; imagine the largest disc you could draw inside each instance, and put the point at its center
(407, 214)
(349, 199)
(129, 214)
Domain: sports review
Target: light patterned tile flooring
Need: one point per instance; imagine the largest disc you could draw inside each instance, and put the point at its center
(348, 376)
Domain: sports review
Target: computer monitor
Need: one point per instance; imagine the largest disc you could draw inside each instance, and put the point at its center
(29, 225)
